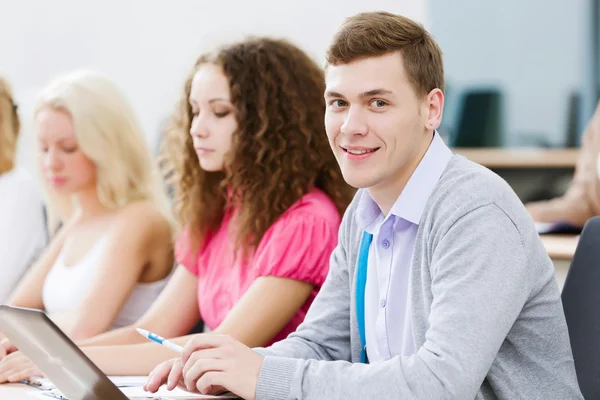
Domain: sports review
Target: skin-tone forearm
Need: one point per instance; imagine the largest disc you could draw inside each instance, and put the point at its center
(123, 336)
(139, 357)
(278, 298)
(133, 359)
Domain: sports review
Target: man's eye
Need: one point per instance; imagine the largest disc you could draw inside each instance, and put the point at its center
(378, 103)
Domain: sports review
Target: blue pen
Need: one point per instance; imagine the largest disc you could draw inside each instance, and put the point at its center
(160, 340)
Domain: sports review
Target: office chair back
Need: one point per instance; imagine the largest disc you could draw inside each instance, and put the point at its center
(581, 303)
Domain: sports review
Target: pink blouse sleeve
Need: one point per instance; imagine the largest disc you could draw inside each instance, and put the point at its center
(297, 246)
(185, 254)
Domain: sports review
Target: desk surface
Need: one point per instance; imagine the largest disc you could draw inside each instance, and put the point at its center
(17, 392)
(560, 247)
(520, 157)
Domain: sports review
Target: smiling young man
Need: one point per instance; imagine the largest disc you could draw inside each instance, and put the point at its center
(439, 288)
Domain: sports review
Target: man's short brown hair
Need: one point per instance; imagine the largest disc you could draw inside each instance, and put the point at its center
(374, 34)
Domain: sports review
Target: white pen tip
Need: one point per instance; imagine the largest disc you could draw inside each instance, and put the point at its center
(142, 332)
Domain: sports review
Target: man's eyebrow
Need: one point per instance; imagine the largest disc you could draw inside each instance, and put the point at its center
(375, 92)
(370, 93)
(333, 94)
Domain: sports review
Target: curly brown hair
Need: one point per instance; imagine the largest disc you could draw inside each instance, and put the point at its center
(279, 151)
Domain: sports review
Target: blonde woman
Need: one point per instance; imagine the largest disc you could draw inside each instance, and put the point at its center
(112, 256)
(22, 228)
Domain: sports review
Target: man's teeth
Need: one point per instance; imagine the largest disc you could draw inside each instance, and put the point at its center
(358, 152)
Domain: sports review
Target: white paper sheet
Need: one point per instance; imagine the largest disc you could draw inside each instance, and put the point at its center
(128, 381)
(132, 386)
(163, 393)
(119, 381)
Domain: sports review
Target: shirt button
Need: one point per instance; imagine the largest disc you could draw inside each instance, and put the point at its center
(382, 303)
(386, 244)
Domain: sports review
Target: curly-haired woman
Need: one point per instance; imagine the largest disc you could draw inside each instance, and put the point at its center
(259, 196)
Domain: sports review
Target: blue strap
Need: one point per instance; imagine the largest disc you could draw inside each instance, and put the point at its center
(361, 283)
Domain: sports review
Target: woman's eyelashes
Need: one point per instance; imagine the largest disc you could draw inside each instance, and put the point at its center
(222, 114)
(64, 149)
(218, 114)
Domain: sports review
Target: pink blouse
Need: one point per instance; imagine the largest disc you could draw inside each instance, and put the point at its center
(297, 246)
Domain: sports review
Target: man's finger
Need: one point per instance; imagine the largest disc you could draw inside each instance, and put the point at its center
(154, 382)
(201, 342)
(200, 368)
(175, 375)
(212, 383)
(157, 377)
(215, 354)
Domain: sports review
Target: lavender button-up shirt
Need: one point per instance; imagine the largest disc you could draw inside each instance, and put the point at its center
(387, 302)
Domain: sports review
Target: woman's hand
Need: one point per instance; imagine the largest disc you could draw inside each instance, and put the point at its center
(16, 366)
(6, 347)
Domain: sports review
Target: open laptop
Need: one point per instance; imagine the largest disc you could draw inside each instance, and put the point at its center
(67, 367)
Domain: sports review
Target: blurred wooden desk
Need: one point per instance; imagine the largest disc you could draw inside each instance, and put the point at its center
(506, 157)
(560, 247)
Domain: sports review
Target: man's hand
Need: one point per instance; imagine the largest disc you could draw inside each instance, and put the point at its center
(213, 364)
(169, 372)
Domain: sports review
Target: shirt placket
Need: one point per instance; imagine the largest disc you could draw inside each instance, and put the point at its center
(384, 272)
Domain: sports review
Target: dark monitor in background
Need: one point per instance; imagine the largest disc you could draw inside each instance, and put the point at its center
(573, 127)
(480, 119)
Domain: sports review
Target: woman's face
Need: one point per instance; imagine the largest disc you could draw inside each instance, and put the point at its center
(64, 165)
(213, 119)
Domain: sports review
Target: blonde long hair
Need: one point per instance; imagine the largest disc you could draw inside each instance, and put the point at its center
(9, 127)
(110, 135)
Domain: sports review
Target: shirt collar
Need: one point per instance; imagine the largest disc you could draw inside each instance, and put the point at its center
(367, 210)
(411, 202)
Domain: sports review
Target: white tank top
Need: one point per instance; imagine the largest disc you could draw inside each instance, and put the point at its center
(66, 286)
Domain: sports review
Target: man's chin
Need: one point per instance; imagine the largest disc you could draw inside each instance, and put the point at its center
(358, 182)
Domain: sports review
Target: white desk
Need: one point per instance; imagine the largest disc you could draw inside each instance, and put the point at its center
(560, 248)
(17, 392)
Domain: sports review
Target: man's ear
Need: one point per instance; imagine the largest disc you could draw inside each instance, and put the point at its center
(435, 108)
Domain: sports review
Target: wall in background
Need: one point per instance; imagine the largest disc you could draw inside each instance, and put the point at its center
(148, 46)
(534, 50)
